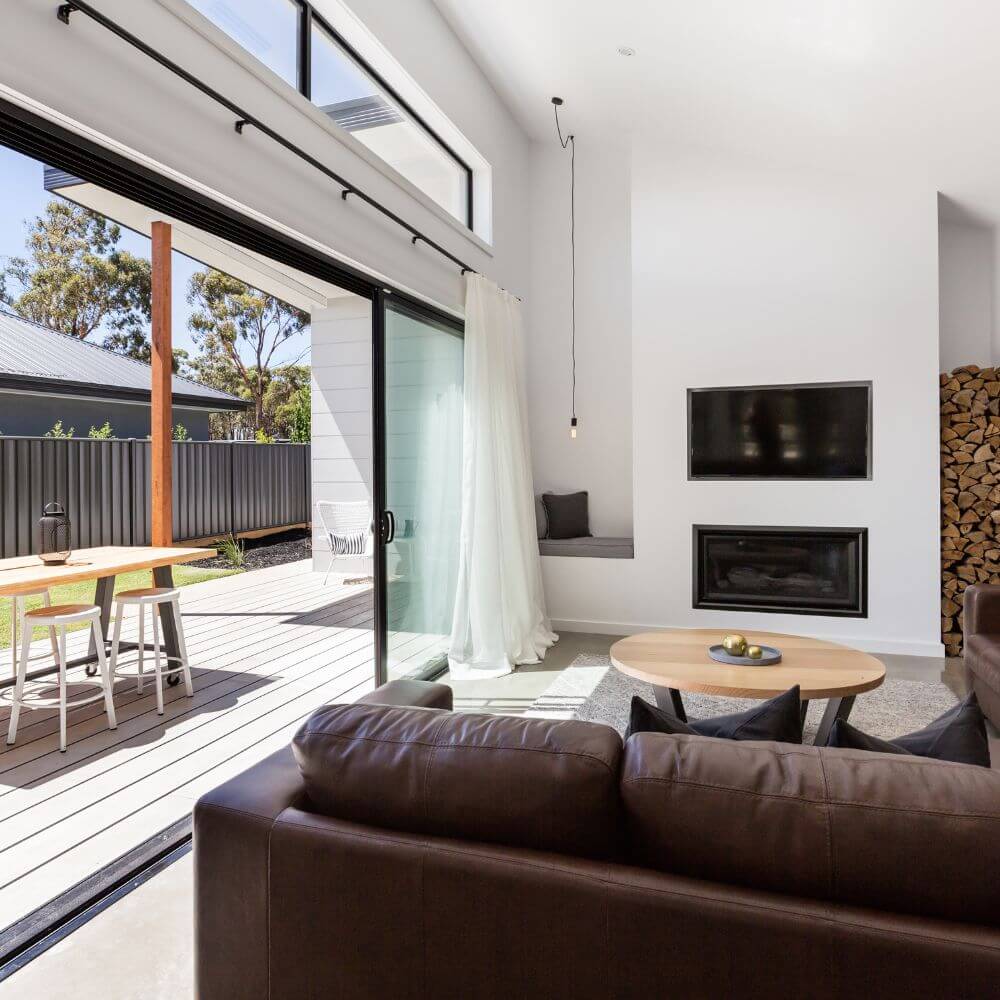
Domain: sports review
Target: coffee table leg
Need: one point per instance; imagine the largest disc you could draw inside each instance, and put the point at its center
(669, 699)
(836, 708)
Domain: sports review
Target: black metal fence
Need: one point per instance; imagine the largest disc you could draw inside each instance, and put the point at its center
(220, 488)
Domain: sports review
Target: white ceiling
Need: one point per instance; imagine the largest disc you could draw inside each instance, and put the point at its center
(905, 88)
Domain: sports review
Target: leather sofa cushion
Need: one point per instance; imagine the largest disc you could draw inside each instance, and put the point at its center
(533, 783)
(899, 833)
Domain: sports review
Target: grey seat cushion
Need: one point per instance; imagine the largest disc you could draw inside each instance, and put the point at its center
(595, 548)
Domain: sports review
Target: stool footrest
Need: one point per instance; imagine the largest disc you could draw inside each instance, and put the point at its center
(70, 703)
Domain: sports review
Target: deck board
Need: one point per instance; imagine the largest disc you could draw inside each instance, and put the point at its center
(266, 647)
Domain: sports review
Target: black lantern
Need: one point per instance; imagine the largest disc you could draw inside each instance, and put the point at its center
(53, 535)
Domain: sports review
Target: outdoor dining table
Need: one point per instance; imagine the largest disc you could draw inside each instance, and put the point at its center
(23, 574)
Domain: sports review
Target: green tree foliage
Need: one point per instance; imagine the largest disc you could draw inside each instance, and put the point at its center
(180, 433)
(300, 416)
(103, 433)
(58, 431)
(239, 329)
(75, 279)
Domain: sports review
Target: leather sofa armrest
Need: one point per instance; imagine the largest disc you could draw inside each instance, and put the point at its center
(411, 694)
(232, 836)
(982, 609)
(232, 831)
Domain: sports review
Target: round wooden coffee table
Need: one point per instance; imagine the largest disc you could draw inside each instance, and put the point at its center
(675, 660)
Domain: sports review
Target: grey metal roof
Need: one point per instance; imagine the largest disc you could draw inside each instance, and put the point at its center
(33, 356)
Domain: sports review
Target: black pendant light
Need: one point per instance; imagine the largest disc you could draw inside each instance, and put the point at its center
(570, 140)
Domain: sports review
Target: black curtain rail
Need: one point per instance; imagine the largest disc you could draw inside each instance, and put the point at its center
(244, 118)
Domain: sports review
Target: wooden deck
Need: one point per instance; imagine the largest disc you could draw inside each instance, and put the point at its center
(266, 647)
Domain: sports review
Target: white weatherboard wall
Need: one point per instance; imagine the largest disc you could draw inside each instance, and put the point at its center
(600, 459)
(341, 413)
(744, 274)
(967, 275)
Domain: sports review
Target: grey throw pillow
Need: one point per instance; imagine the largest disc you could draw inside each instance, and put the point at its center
(778, 719)
(568, 516)
(541, 518)
(959, 735)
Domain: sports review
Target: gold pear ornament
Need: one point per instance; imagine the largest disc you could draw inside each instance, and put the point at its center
(754, 652)
(735, 644)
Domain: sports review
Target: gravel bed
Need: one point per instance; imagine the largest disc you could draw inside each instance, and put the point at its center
(273, 550)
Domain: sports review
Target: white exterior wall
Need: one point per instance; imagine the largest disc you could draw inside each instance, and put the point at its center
(341, 413)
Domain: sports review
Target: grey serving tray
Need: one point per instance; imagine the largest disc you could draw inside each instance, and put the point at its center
(770, 657)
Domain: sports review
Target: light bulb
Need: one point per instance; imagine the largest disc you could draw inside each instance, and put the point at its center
(572, 428)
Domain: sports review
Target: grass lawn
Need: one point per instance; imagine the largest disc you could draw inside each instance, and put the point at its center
(83, 592)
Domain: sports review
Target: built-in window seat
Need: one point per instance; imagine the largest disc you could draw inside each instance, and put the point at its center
(569, 520)
(594, 548)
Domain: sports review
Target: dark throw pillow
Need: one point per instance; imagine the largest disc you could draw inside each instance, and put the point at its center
(959, 735)
(779, 719)
(567, 515)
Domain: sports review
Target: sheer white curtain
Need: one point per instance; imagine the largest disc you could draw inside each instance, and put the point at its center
(500, 617)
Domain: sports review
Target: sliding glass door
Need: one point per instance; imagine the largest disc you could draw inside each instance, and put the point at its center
(421, 466)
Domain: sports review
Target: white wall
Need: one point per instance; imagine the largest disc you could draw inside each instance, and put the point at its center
(966, 270)
(747, 275)
(600, 459)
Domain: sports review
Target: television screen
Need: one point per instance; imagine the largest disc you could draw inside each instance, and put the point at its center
(780, 432)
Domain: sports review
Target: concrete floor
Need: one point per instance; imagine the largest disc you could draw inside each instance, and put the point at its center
(142, 945)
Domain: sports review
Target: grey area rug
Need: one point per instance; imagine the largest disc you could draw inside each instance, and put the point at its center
(592, 690)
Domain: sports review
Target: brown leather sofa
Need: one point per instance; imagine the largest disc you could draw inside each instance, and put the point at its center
(982, 646)
(403, 852)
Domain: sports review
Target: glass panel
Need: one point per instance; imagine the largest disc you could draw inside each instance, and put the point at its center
(345, 92)
(423, 456)
(268, 29)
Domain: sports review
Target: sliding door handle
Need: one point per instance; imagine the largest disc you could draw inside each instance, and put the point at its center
(388, 527)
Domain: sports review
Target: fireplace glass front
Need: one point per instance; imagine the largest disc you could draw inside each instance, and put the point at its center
(810, 571)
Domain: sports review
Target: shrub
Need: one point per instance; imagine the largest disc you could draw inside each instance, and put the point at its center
(58, 432)
(232, 550)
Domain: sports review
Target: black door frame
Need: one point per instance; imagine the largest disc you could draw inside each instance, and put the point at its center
(36, 137)
(384, 299)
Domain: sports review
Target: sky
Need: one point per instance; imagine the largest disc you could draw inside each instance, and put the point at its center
(23, 196)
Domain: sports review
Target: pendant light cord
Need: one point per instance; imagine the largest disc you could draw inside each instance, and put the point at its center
(570, 140)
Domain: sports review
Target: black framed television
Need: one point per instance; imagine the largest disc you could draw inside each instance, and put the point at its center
(808, 431)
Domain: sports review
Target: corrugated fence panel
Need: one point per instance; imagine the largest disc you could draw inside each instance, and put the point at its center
(202, 488)
(219, 487)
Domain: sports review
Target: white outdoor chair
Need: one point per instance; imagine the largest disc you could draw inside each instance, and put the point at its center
(348, 528)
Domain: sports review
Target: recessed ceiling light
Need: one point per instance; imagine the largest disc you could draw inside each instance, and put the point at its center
(626, 50)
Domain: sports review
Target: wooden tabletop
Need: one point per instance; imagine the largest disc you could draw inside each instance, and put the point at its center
(26, 572)
(678, 658)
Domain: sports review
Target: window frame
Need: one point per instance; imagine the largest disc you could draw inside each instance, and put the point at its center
(310, 18)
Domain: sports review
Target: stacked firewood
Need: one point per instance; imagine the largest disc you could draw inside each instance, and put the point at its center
(970, 490)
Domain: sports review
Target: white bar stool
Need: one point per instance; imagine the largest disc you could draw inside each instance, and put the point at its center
(18, 606)
(153, 598)
(58, 617)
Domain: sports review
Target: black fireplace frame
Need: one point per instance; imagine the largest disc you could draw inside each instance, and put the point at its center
(701, 531)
